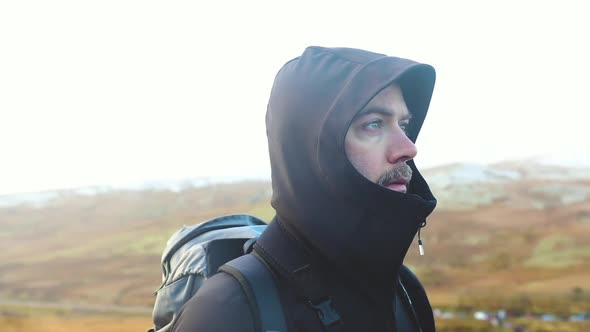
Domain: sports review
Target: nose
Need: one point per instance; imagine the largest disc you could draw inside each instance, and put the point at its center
(401, 148)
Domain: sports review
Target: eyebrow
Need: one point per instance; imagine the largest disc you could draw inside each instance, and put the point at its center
(384, 111)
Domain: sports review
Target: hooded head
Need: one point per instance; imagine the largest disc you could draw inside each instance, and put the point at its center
(325, 199)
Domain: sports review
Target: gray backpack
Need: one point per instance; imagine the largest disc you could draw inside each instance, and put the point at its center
(195, 253)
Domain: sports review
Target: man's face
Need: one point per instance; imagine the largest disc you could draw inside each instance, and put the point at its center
(376, 141)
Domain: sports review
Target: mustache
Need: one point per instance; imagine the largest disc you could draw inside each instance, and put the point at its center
(401, 171)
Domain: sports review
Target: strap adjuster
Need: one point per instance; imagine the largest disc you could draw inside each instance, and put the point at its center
(326, 312)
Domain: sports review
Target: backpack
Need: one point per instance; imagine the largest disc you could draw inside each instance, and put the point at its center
(195, 253)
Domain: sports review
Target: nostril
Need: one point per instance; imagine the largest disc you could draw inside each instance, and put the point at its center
(402, 155)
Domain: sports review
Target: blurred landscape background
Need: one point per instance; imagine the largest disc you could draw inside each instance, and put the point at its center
(99, 97)
(510, 238)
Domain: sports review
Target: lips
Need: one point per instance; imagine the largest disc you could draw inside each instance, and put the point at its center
(399, 185)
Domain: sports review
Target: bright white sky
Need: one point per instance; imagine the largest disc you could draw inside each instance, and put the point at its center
(108, 92)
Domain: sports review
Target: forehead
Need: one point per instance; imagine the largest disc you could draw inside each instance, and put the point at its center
(391, 99)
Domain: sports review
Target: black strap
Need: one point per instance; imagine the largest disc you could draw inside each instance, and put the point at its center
(298, 267)
(260, 288)
(419, 304)
(407, 301)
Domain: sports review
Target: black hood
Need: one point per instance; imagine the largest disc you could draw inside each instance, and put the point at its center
(318, 195)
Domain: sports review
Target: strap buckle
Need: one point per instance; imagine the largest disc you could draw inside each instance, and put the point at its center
(326, 312)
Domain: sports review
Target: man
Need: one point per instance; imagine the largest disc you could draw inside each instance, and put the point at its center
(341, 126)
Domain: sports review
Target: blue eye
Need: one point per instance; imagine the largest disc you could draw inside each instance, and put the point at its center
(404, 127)
(374, 125)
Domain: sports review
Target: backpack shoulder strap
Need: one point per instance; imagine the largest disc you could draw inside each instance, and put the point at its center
(260, 288)
(418, 300)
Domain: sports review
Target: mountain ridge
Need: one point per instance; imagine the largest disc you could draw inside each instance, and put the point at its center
(437, 176)
(525, 234)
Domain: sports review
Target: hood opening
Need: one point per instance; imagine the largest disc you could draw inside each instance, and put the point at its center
(317, 193)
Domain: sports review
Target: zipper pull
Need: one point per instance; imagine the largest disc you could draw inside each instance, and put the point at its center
(420, 246)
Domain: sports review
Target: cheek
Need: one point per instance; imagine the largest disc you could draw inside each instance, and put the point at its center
(363, 160)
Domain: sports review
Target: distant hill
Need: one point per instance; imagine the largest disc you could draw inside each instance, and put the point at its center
(515, 184)
(506, 230)
(105, 248)
(515, 228)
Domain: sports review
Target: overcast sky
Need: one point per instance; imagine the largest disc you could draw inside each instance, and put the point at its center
(108, 92)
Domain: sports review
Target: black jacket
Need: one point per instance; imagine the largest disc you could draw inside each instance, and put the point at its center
(336, 235)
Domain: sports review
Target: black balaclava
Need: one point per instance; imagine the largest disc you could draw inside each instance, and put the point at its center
(319, 197)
